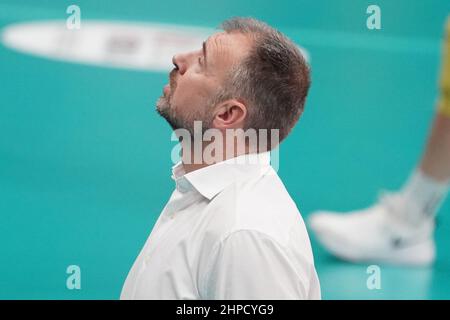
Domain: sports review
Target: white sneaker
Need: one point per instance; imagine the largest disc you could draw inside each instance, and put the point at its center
(382, 233)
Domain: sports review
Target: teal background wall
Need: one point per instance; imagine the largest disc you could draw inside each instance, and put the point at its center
(85, 160)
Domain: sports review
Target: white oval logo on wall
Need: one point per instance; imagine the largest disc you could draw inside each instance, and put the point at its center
(139, 46)
(113, 44)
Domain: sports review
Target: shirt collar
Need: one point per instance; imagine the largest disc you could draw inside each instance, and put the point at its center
(211, 180)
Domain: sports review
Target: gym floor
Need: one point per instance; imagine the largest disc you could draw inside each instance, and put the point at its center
(85, 160)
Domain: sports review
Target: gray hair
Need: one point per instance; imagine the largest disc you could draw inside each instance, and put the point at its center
(273, 80)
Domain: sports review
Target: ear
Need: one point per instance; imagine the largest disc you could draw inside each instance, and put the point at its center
(230, 114)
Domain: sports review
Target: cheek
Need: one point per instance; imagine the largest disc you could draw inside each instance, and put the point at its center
(191, 94)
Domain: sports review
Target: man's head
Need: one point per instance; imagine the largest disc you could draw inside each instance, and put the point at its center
(248, 76)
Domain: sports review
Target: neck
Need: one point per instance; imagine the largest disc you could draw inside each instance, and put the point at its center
(191, 162)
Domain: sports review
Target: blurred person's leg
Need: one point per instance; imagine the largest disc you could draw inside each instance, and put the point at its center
(399, 228)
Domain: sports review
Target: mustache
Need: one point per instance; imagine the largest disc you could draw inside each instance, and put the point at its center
(172, 81)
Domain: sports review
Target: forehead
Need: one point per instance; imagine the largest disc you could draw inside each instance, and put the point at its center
(227, 48)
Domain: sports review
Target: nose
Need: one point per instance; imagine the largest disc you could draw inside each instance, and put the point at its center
(180, 63)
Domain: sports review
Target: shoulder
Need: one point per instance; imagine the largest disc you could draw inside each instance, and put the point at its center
(261, 206)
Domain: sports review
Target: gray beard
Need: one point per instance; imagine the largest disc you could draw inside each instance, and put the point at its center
(164, 110)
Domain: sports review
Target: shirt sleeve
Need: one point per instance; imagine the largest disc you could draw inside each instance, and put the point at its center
(250, 265)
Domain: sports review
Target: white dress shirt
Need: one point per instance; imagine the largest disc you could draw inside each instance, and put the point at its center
(229, 231)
